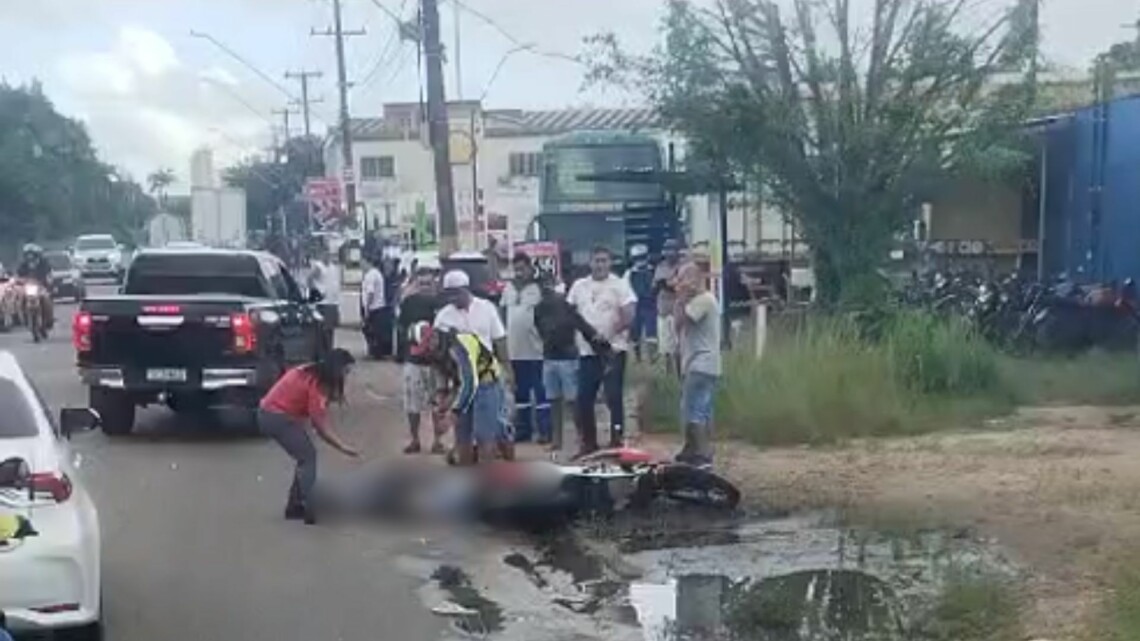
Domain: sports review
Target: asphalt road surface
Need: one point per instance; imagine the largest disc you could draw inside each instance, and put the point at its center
(194, 546)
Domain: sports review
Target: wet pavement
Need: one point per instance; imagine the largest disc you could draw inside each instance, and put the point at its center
(789, 579)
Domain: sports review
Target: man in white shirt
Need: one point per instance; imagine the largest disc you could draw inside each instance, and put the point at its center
(324, 277)
(521, 295)
(372, 305)
(465, 312)
(607, 303)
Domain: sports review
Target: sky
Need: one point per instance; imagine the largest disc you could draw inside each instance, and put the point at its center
(150, 92)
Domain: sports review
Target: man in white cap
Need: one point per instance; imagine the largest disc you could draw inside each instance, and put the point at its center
(464, 312)
(640, 279)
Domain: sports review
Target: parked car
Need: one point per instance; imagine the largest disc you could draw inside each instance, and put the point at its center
(99, 256)
(484, 282)
(193, 329)
(66, 279)
(51, 582)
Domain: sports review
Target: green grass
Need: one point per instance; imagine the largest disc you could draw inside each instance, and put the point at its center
(1096, 378)
(1120, 617)
(826, 381)
(973, 609)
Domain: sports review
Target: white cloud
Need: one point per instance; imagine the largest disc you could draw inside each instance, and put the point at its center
(145, 108)
(147, 51)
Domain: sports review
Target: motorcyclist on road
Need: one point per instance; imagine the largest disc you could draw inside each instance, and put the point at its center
(35, 267)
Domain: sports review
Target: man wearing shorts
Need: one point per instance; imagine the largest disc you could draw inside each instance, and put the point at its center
(698, 320)
(663, 277)
(558, 324)
(420, 387)
(475, 384)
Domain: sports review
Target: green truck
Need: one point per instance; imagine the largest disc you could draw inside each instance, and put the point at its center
(603, 187)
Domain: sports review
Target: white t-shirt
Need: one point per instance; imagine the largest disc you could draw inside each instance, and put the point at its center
(523, 341)
(481, 318)
(326, 278)
(600, 303)
(372, 290)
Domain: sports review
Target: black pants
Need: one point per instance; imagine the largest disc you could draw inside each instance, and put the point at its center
(593, 373)
(331, 314)
(378, 332)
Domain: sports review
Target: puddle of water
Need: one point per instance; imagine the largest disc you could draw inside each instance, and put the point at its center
(486, 615)
(813, 605)
(798, 580)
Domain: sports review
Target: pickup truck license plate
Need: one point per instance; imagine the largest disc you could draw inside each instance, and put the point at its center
(166, 375)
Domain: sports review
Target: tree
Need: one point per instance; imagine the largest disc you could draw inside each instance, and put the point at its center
(158, 181)
(52, 183)
(272, 187)
(847, 125)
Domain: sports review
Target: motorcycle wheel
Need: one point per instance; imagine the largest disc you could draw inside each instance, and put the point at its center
(698, 486)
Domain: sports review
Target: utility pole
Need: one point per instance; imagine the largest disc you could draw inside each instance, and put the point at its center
(349, 175)
(285, 113)
(304, 76)
(438, 129)
(457, 55)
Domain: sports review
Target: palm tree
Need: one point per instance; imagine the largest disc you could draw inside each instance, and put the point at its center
(158, 181)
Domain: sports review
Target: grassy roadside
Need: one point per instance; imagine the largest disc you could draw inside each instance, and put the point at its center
(827, 382)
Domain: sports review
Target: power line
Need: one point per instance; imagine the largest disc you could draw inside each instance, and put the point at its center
(394, 38)
(515, 40)
(246, 63)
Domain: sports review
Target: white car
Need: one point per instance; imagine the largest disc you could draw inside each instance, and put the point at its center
(49, 582)
(99, 256)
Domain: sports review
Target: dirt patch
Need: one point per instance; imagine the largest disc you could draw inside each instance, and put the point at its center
(1059, 487)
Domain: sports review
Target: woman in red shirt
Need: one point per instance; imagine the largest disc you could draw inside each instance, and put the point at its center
(302, 396)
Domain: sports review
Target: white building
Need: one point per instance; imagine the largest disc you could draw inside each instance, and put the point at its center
(202, 172)
(496, 155)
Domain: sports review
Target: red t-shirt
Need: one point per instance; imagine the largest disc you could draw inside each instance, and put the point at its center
(298, 395)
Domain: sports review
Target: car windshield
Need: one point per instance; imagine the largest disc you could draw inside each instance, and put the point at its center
(17, 418)
(59, 260)
(95, 243)
(185, 274)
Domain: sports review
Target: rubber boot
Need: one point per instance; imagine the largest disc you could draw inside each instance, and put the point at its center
(702, 444)
(688, 451)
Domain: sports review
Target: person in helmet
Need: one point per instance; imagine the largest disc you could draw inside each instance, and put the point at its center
(34, 266)
(474, 380)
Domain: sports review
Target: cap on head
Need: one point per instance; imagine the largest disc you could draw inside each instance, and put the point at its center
(456, 279)
(638, 251)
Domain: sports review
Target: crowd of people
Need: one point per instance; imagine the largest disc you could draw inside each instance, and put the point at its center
(557, 350)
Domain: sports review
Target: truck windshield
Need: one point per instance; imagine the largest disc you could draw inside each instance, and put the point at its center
(95, 242)
(186, 274)
(566, 165)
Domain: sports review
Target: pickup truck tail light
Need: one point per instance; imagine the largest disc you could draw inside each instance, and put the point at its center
(245, 333)
(53, 485)
(81, 332)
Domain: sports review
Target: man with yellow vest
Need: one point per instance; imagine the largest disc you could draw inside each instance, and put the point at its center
(475, 380)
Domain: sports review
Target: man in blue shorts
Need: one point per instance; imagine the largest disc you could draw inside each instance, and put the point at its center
(474, 380)
(697, 318)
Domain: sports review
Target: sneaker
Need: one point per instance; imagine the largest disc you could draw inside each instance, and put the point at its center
(294, 513)
(412, 448)
(438, 448)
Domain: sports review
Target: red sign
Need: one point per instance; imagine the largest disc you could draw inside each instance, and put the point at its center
(545, 255)
(324, 196)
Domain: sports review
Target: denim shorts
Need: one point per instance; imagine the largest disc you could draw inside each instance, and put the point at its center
(488, 420)
(560, 378)
(698, 391)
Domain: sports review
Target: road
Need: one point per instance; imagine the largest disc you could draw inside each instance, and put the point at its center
(194, 546)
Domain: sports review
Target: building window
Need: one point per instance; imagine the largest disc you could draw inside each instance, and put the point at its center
(525, 164)
(377, 167)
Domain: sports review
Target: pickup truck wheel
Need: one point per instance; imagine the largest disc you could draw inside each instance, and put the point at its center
(116, 410)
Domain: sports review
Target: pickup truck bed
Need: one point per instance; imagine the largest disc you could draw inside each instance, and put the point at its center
(192, 351)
